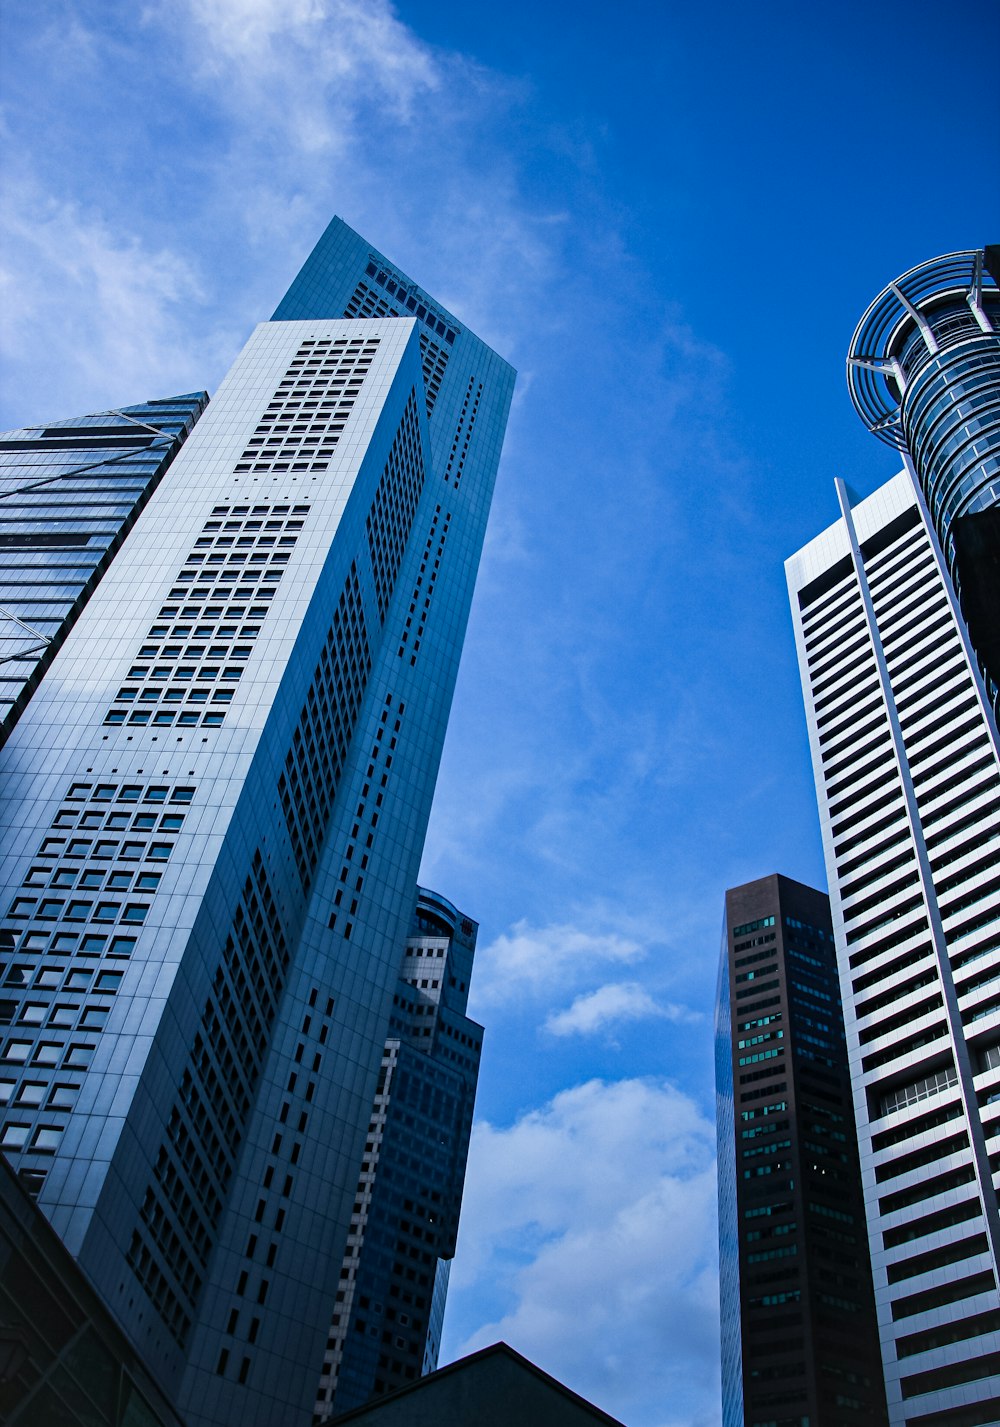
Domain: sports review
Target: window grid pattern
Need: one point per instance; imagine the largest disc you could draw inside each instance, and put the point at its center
(197, 1158)
(463, 435)
(365, 302)
(252, 1282)
(316, 758)
(302, 424)
(354, 863)
(423, 592)
(394, 506)
(65, 945)
(187, 674)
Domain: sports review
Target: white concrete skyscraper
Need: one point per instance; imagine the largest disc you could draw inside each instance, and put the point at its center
(213, 814)
(908, 778)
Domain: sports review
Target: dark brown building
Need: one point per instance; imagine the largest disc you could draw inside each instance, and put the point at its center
(799, 1336)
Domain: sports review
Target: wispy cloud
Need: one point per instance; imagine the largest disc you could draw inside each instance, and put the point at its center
(611, 1005)
(528, 961)
(593, 1216)
(109, 309)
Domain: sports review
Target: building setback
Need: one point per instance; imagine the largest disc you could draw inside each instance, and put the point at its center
(907, 773)
(798, 1314)
(386, 1325)
(69, 494)
(213, 814)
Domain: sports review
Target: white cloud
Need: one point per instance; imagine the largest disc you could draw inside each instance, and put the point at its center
(528, 961)
(311, 63)
(99, 307)
(611, 1005)
(594, 1219)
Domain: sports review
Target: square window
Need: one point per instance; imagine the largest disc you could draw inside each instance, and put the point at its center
(135, 912)
(159, 851)
(63, 1096)
(91, 879)
(78, 980)
(33, 1014)
(47, 1053)
(32, 1093)
(139, 718)
(118, 881)
(116, 822)
(17, 1051)
(46, 1139)
(121, 946)
(92, 945)
(15, 1137)
(147, 881)
(77, 911)
(108, 980)
(79, 1055)
(187, 719)
(143, 822)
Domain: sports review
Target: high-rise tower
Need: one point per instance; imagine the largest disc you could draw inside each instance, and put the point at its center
(214, 812)
(924, 375)
(907, 773)
(69, 494)
(386, 1326)
(798, 1314)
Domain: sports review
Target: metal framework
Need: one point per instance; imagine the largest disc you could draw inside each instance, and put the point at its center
(875, 375)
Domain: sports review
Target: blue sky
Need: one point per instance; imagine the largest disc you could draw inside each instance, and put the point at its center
(669, 218)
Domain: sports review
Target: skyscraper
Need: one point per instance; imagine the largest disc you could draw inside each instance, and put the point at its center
(386, 1326)
(908, 780)
(798, 1314)
(924, 375)
(214, 812)
(69, 494)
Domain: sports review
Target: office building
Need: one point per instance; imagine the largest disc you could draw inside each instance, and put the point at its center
(798, 1314)
(386, 1325)
(924, 375)
(214, 810)
(69, 494)
(907, 773)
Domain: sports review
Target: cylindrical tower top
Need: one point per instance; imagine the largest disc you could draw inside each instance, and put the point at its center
(936, 305)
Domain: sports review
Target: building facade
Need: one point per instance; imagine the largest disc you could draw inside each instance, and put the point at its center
(214, 811)
(907, 772)
(69, 494)
(386, 1326)
(798, 1313)
(924, 375)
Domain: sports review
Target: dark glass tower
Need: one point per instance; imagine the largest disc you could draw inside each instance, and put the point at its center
(69, 494)
(386, 1327)
(800, 1343)
(924, 375)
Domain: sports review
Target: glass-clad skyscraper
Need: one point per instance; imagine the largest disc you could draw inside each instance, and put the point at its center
(386, 1325)
(797, 1311)
(907, 773)
(69, 494)
(924, 375)
(214, 810)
